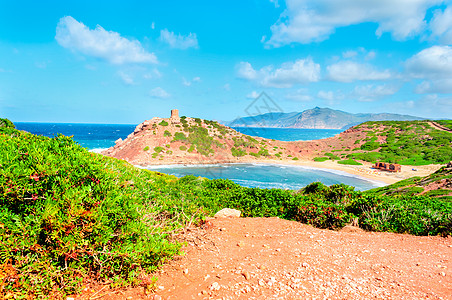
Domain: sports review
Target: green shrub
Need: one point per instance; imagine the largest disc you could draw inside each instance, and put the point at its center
(321, 158)
(167, 133)
(237, 152)
(295, 158)
(179, 136)
(182, 148)
(67, 214)
(349, 162)
(158, 149)
(163, 123)
(146, 148)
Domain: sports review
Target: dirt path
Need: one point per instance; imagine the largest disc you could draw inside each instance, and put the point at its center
(270, 258)
(439, 127)
(256, 258)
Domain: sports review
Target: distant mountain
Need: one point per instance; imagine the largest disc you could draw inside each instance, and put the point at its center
(316, 118)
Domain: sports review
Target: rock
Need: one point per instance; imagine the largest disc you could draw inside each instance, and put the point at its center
(246, 275)
(214, 286)
(118, 141)
(228, 213)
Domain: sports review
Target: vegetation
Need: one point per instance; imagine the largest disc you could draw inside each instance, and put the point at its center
(406, 142)
(67, 214)
(163, 123)
(349, 162)
(146, 148)
(321, 158)
(167, 133)
(158, 149)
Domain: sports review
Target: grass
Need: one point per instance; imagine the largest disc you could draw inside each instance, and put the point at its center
(349, 162)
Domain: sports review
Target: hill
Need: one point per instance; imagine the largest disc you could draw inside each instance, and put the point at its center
(316, 118)
(196, 141)
(69, 217)
(438, 185)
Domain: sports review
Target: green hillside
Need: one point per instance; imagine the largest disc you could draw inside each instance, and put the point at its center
(68, 215)
(403, 142)
(438, 185)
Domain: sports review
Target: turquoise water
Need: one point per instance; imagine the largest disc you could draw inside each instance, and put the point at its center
(100, 136)
(269, 175)
(289, 134)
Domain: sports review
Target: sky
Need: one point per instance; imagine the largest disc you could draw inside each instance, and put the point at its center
(123, 62)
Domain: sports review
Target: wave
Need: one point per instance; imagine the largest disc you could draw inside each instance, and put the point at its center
(97, 150)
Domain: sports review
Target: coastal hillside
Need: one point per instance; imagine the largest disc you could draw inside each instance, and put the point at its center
(437, 185)
(70, 218)
(195, 141)
(316, 118)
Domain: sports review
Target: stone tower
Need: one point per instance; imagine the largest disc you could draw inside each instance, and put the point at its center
(175, 116)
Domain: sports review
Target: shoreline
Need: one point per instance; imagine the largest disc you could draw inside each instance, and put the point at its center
(364, 171)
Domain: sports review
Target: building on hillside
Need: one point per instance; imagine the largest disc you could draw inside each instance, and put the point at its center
(387, 167)
(175, 116)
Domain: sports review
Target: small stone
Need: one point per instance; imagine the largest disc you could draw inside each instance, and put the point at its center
(305, 265)
(228, 213)
(157, 297)
(70, 298)
(215, 286)
(241, 244)
(204, 292)
(246, 275)
(161, 287)
(206, 277)
(186, 271)
(442, 274)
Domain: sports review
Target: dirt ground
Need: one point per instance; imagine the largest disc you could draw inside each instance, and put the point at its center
(271, 258)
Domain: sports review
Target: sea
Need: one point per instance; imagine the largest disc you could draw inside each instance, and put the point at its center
(96, 137)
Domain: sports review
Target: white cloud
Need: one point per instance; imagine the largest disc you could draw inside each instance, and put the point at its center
(126, 78)
(429, 106)
(299, 95)
(349, 54)
(433, 62)
(154, 73)
(160, 93)
(179, 41)
(326, 95)
(186, 82)
(301, 71)
(371, 55)
(434, 65)
(99, 43)
(252, 95)
(349, 71)
(306, 21)
(246, 71)
(153, 25)
(275, 2)
(189, 82)
(441, 25)
(367, 93)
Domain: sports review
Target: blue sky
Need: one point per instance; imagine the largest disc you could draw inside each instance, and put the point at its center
(118, 62)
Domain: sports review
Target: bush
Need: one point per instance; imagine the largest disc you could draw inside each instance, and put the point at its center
(321, 158)
(158, 149)
(179, 136)
(163, 123)
(182, 148)
(349, 162)
(146, 148)
(167, 133)
(67, 214)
